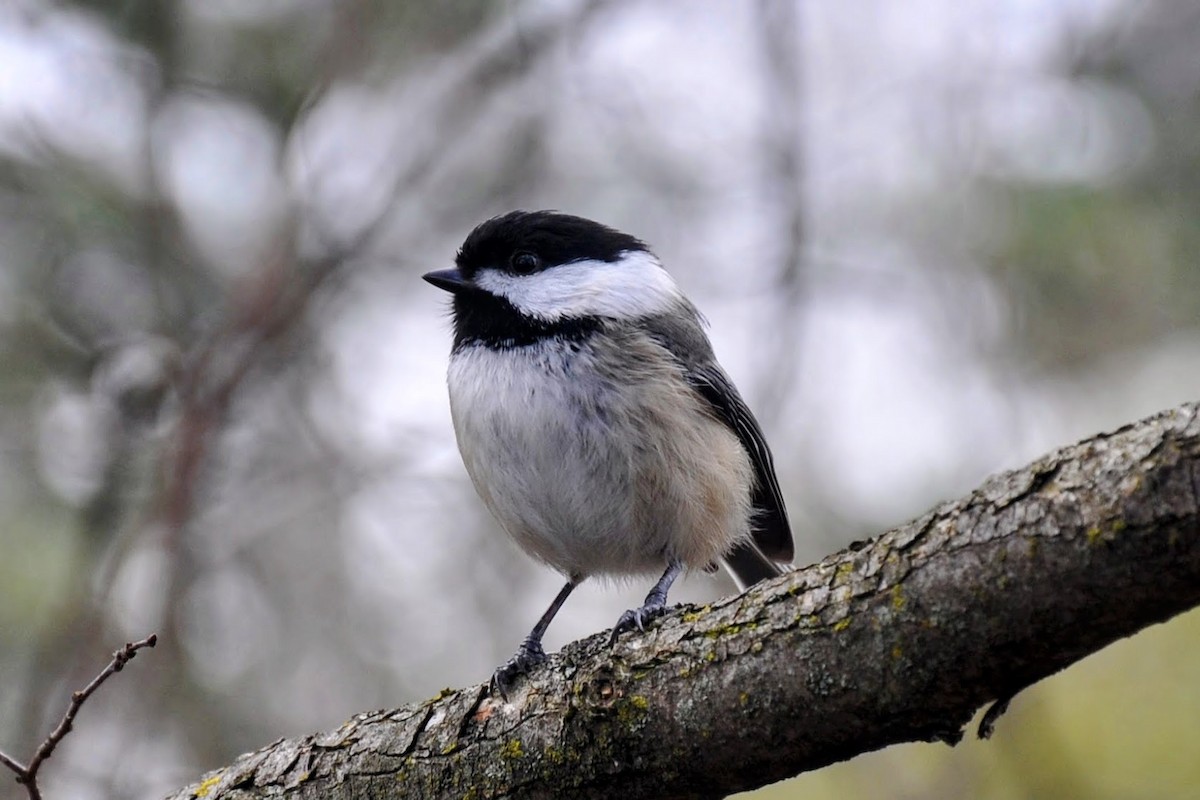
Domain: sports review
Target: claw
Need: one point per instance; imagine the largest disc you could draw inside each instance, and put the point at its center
(529, 655)
(654, 607)
(636, 618)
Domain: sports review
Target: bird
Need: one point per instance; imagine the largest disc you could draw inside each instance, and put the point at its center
(594, 420)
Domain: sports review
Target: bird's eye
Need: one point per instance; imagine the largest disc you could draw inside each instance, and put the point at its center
(524, 263)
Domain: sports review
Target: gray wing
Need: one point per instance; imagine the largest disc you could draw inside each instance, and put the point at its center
(682, 335)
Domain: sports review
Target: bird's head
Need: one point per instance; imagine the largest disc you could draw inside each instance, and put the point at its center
(546, 268)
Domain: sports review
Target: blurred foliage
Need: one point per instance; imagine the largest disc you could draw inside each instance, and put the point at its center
(222, 407)
(1109, 263)
(1075, 248)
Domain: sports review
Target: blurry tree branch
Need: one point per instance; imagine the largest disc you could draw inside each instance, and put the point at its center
(271, 303)
(898, 639)
(27, 774)
(785, 178)
(257, 310)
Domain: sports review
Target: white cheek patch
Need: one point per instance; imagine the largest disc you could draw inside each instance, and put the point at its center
(635, 285)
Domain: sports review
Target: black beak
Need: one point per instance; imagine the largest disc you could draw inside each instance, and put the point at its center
(449, 279)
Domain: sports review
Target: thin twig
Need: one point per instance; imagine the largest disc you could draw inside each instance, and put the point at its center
(11, 763)
(27, 775)
(987, 725)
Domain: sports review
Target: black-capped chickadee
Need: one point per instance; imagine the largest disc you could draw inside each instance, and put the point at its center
(594, 420)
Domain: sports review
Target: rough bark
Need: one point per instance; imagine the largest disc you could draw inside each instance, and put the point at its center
(898, 639)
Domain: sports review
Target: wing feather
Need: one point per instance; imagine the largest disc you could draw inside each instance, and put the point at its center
(682, 335)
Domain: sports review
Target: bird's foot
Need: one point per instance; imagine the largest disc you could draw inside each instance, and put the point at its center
(529, 655)
(637, 618)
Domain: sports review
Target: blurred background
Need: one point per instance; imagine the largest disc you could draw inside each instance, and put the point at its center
(934, 239)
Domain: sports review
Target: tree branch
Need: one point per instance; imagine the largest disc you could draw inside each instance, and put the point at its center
(898, 639)
(28, 774)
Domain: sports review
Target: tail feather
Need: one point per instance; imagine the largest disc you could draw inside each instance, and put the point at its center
(748, 566)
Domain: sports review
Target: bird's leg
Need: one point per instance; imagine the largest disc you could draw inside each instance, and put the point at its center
(530, 653)
(655, 605)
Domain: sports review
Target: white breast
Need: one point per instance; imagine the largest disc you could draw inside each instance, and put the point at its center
(595, 475)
